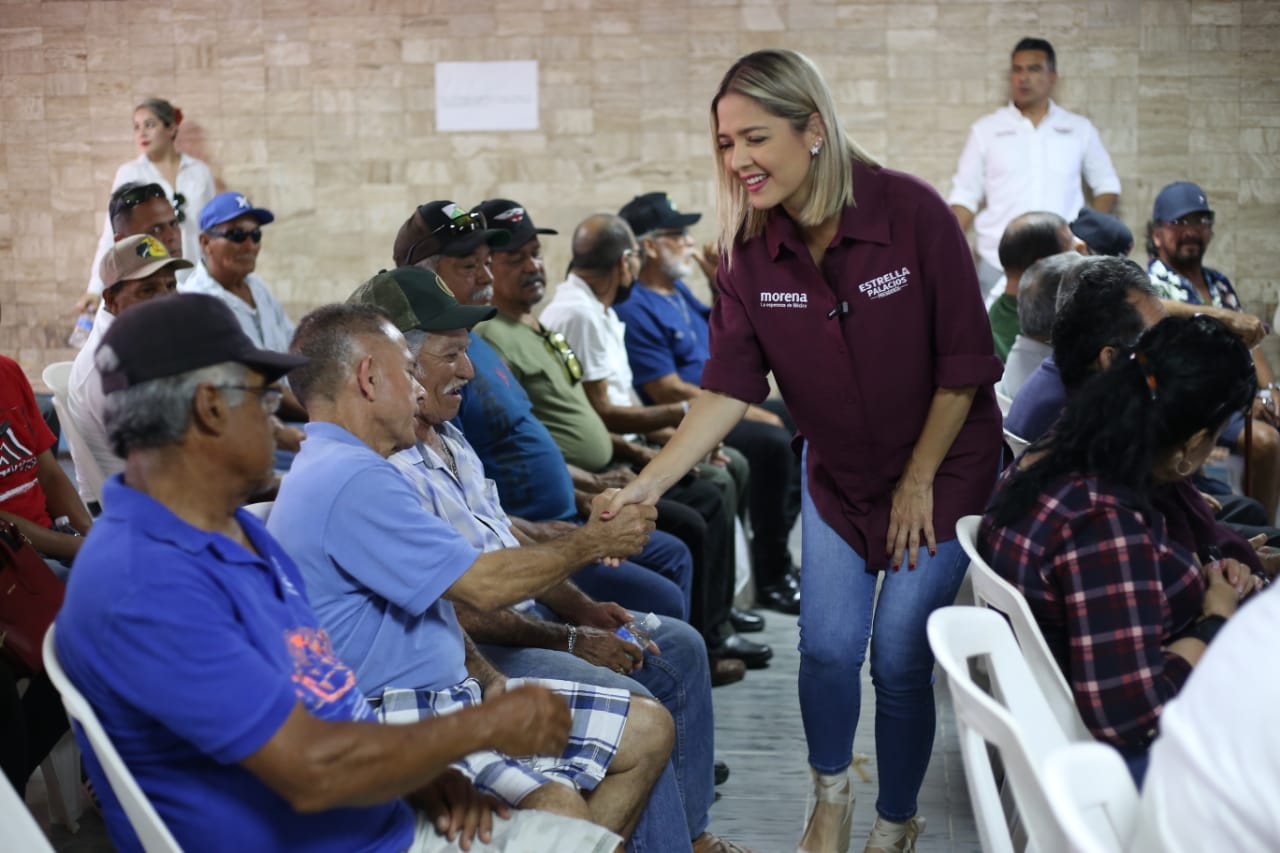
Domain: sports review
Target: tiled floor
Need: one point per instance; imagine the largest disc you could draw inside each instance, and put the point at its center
(758, 733)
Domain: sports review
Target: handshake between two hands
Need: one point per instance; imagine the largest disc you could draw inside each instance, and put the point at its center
(624, 527)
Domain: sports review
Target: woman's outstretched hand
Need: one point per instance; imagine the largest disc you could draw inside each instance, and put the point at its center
(638, 491)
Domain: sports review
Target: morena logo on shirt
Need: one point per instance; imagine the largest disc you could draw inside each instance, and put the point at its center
(885, 285)
(783, 299)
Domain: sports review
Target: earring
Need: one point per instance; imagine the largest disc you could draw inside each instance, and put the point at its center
(817, 146)
(1177, 469)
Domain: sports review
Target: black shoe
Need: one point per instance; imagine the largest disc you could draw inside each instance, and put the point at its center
(754, 655)
(746, 621)
(781, 598)
(722, 772)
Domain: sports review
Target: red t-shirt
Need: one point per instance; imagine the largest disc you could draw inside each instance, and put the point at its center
(859, 385)
(23, 436)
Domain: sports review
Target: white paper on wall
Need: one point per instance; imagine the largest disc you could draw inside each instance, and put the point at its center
(486, 96)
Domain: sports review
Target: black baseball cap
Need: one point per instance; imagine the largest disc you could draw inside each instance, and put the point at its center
(188, 331)
(1103, 233)
(512, 218)
(655, 212)
(443, 228)
(416, 298)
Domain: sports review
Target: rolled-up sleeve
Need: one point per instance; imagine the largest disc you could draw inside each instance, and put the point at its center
(737, 365)
(964, 353)
(968, 182)
(1099, 173)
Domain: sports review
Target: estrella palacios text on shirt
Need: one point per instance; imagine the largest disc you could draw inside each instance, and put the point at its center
(885, 285)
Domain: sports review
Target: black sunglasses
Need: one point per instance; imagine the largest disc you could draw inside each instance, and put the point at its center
(132, 198)
(238, 235)
(463, 222)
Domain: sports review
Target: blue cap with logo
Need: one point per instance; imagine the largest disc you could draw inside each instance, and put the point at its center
(227, 206)
(1177, 200)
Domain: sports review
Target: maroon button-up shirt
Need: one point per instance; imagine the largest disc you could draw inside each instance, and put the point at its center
(859, 383)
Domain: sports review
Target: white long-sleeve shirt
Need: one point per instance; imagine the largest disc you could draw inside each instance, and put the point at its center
(1018, 168)
(195, 182)
(85, 402)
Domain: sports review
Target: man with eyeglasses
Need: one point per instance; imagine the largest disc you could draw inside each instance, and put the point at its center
(1178, 236)
(135, 270)
(666, 344)
(189, 630)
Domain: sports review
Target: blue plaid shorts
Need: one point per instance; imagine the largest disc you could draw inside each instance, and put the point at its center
(599, 716)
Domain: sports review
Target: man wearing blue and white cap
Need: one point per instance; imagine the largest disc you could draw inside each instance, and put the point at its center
(1178, 236)
(230, 239)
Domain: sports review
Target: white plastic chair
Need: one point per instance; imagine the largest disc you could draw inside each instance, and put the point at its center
(1093, 798)
(1004, 401)
(1016, 443)
(57, 376)
(261, 509)
(21, 832)
(152, 833)
(991, 590)
(61, 772)
(1020, 725)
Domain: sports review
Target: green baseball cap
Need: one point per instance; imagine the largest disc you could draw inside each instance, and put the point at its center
(417, 298)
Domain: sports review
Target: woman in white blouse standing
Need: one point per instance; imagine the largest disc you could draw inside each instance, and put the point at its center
(186, 180)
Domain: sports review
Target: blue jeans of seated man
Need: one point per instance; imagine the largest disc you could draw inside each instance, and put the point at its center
(659, 579)
(678, 678)
(837, 597)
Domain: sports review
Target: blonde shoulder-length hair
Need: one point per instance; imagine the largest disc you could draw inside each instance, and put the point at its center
(788, 85)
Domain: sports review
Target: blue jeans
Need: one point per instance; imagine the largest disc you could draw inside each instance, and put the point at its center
(657, 580)
(836, 621)
(680, 680)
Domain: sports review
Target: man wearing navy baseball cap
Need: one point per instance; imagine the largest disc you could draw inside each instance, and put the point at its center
(230, 239)
(1178, 236)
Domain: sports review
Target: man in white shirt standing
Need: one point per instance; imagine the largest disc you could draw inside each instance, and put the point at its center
(1028, 155)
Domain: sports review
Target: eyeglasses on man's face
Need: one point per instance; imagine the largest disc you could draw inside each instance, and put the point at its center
(269, 396)
(1192, 220)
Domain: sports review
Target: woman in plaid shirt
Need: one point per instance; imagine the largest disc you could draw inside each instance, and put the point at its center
(1126, 610)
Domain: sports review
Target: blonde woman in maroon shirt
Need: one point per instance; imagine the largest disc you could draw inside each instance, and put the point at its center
(854, 286)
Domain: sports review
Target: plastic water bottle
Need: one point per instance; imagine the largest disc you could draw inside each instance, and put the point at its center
(80, 332)
(640, 629)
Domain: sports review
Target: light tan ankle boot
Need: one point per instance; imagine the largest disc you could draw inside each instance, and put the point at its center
(890, 837)
(836, 789)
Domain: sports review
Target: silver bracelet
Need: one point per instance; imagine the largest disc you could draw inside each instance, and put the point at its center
(573, 637)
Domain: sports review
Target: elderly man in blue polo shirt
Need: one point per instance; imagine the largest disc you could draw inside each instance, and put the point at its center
(190, 632)
(383, 572)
